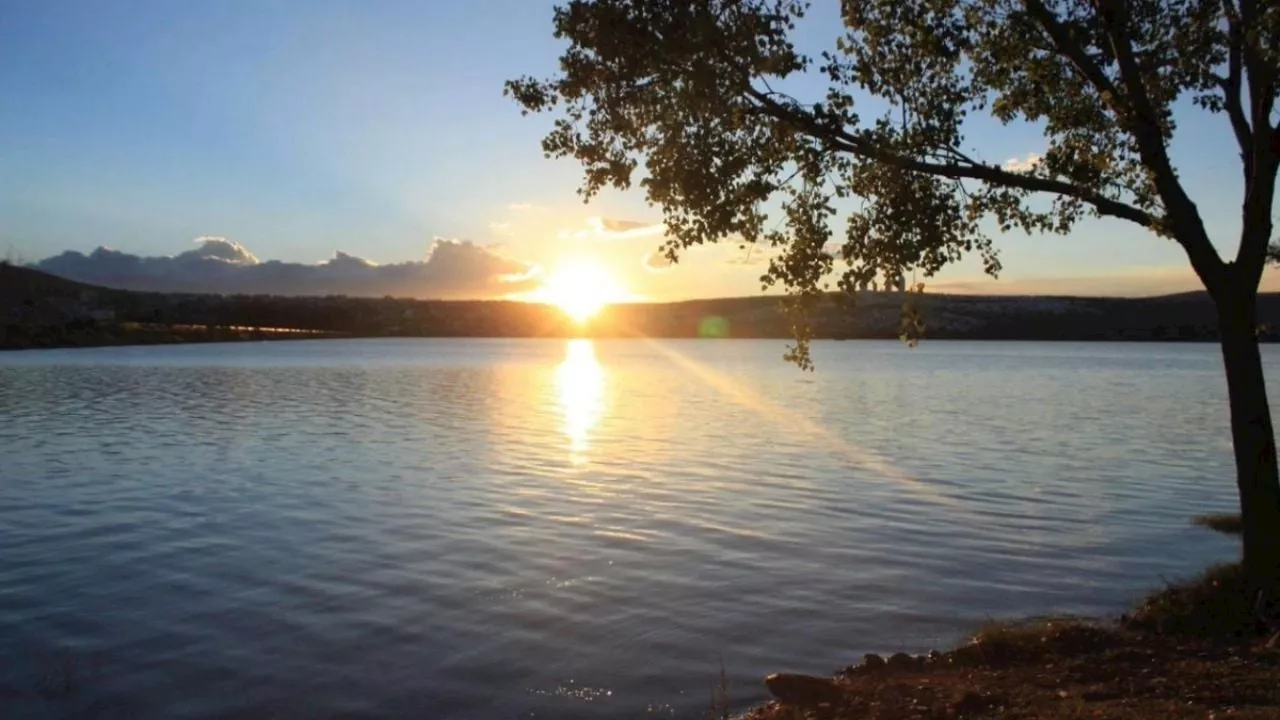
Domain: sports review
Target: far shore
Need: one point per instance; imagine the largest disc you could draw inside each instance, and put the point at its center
(114, 336)
(41, 310)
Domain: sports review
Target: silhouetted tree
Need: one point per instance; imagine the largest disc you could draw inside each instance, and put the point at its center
(698, 91)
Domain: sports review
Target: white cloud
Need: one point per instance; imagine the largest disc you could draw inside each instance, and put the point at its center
(219, 248)
(520, 207)
(1026, 164)
(616, 229)
(500, 228)
(656, 262)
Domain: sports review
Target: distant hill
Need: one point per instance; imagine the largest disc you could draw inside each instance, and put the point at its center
(38, 310)
(1189, 316)
(19, 285)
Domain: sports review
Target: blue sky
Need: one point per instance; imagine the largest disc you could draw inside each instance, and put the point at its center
(299, 128)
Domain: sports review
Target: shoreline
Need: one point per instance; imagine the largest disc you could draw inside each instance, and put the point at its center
(1196, 649)
(138, 335)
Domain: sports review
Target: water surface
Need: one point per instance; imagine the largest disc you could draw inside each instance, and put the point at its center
(511, 529)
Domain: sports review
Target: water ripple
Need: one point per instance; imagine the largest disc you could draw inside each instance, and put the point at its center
(475, 529)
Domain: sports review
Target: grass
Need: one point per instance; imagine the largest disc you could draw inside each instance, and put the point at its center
(1226, 523)
(1197, 649)
(1035, 639)
(1216, 605)
(719, 709)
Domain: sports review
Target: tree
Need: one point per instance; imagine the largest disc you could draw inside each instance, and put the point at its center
(696, 91)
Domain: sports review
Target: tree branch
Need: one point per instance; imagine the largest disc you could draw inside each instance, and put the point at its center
(1262, 75)
(1248, 14)
(843, 141)
(1231, 86)
(1144, 124)
(1260, 180)
(1067, 46)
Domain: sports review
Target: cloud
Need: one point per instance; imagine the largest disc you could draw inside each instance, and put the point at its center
(656, 261)
(532, 274)
(218, 248)
(753, 255)
(615, 225)
(453, 269)
(615, 229)
(520, 207)
(500, 228)
(1027, 164)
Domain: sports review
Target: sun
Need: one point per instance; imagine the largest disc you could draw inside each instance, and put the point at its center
(580, 288)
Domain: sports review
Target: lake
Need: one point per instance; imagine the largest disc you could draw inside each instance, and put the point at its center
(569, 529)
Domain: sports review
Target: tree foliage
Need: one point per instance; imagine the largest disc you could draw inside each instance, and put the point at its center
(689, 99)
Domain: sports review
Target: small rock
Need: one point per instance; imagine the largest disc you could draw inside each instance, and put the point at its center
(804, 691)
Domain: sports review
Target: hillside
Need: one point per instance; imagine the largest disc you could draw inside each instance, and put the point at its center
(19, 285)
(39, 310)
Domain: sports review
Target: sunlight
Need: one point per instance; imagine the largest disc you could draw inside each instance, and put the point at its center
(580, 386)
(788, 419)
(580, 289)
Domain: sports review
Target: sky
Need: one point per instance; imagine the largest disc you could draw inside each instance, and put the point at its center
(357, 138)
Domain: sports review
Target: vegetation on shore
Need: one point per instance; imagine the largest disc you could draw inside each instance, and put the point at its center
(1199, 649)
(1227, 523)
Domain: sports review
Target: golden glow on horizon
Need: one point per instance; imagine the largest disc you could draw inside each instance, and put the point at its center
(580, 386)
(579, 288)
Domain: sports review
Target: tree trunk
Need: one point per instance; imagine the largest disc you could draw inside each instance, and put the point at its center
(1252, 437)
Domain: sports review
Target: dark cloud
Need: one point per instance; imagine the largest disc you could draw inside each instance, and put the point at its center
(452, 270)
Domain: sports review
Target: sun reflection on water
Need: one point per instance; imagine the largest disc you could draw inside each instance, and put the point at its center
(580, 386)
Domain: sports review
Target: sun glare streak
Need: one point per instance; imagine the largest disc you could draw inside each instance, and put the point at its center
(793, 421)
(580, 387)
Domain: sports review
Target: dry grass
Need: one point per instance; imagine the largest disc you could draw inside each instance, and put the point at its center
(719, 708)
(1217, 605)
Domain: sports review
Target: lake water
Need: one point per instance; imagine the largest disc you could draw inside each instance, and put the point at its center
(552, 529)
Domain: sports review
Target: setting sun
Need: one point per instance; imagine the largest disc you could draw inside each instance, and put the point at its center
(580, 289)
